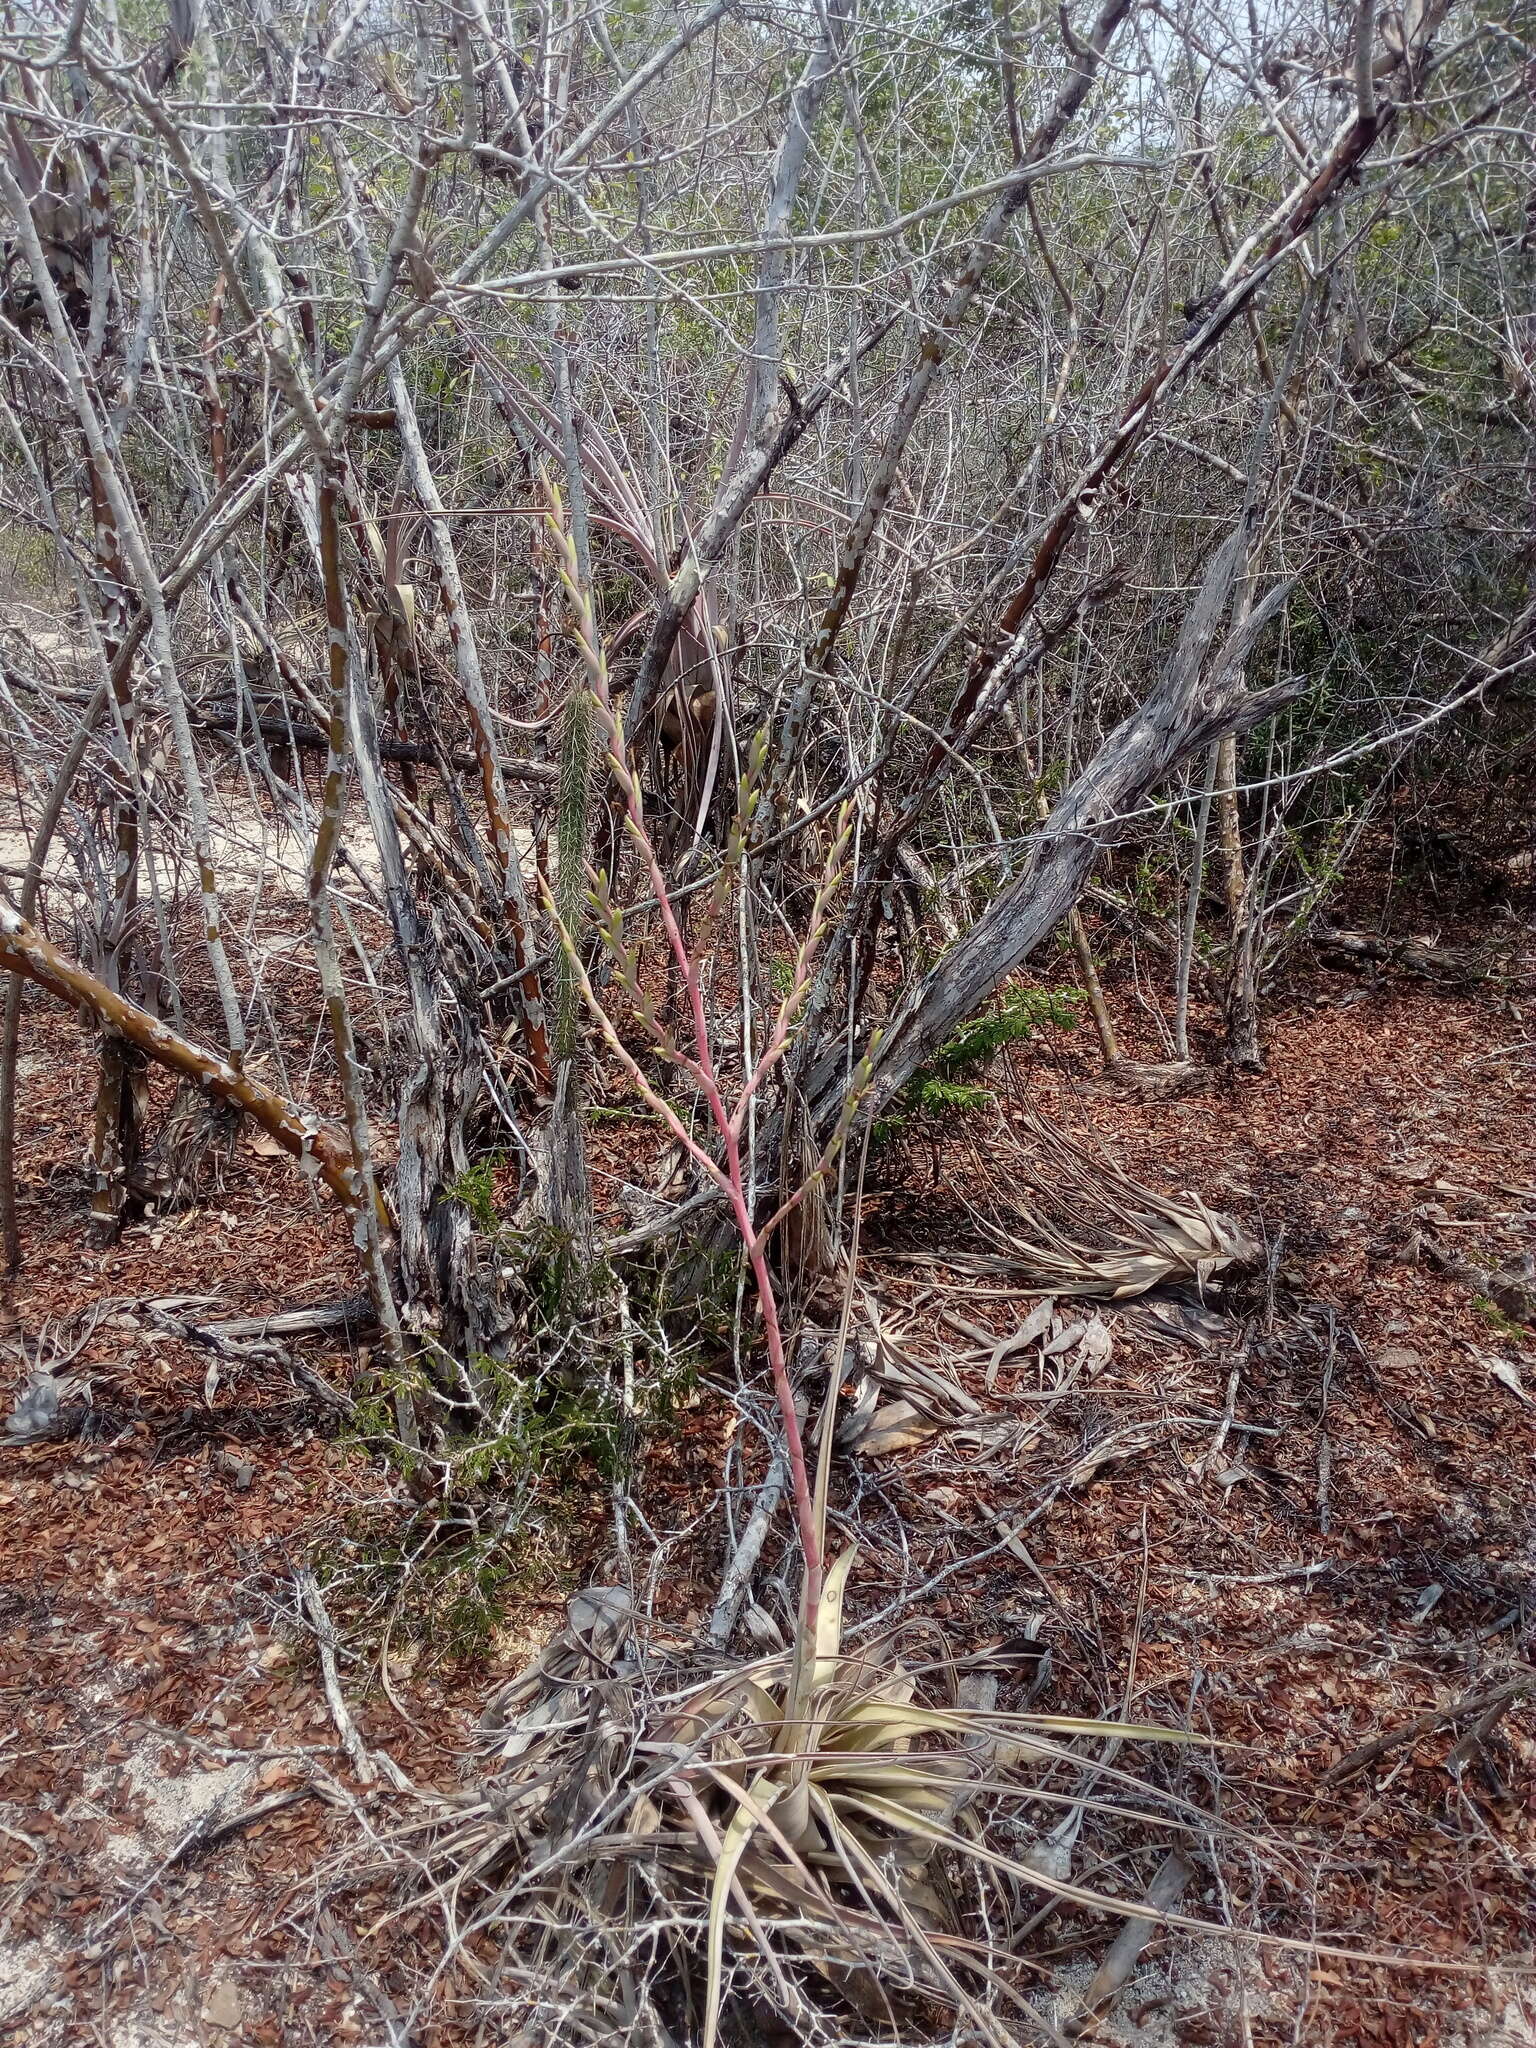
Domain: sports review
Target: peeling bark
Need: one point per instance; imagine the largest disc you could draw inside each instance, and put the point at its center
(1193, 705)
(315, 1145)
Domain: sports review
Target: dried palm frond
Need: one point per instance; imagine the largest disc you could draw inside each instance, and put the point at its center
(1089, 1229)
(798, 1844)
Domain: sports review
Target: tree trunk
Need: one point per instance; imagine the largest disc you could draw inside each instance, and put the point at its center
(1190, 927)
(1240, 995)
(115, 1140)
(1197, 702)
(1109, 1044)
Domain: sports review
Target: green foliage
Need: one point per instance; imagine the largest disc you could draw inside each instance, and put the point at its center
(1017, 1017)
(1503, 1325)
(1153, 889)
(667, 1388)
(475, 1187)
(438, 1579)
(939, 1089)
(930, 1093)
(1321, 856)
(453, 1598)
(374, 1425)
(517, 1458)
(460, 1599)
(560, 1283)
(543, 1429)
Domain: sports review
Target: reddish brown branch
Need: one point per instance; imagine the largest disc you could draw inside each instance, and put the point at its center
(317, 1146)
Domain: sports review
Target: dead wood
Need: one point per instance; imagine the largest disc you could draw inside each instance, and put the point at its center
(1115, 1972)
(1154, 1080)
(1202, 696)
(310, 739)
(1414, 956)
(316, 1146)
(1512, 1289)
(353, 1317)
(1473, 1703)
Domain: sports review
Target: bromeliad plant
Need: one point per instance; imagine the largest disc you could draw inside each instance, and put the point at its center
(649, 1850)
(658, 1859)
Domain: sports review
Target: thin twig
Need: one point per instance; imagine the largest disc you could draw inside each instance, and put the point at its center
(1478, 1702)
(325, 1637)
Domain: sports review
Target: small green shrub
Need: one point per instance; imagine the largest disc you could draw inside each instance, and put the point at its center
(1017, 1017)
(930, 1095)
(522, 1475)
(475, 1187)
(1503, 1325)
(437, 1578)
(939, 1090)
(541, 1429)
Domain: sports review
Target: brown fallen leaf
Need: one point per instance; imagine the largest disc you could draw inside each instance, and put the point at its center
(1414, 1171)
(1391, 1355)
(894, 1426)
(1097, 1346)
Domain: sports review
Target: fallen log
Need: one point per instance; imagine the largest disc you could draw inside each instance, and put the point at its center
(1511, 1289)
(316, 1146)
(334, 1318)
(1414, 956)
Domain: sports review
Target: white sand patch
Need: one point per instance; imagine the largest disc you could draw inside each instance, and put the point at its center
(250, 852)
(253, 854)
(1514, 2028)
(26, 1969)
(149, 2030)
(176, 1804)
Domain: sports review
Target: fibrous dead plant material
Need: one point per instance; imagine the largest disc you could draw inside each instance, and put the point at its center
(1085, 1227)
(805, 1843)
